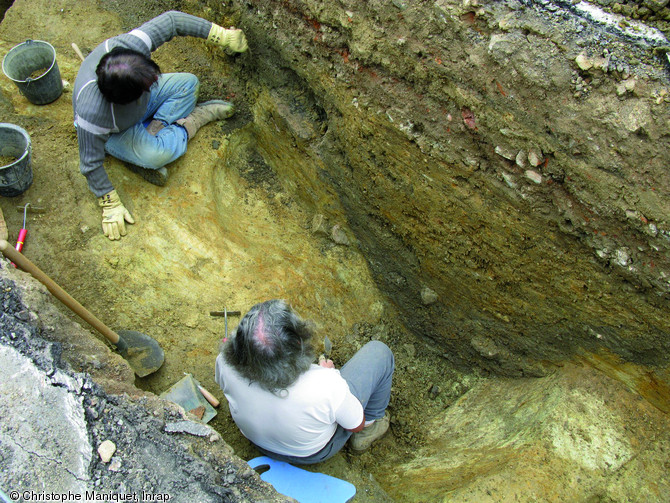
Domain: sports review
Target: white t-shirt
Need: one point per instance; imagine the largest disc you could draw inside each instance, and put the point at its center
(302, 420)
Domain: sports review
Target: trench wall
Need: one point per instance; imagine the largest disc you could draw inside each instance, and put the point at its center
(503, 165)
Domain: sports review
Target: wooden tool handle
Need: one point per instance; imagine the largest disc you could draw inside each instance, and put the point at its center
(76, 49)
(210, 398)
(57, 291)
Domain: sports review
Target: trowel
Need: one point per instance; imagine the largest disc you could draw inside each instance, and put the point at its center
(327, 348)
(192, 397)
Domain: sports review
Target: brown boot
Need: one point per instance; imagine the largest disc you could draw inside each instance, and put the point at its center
(362, 440)
(204, 113)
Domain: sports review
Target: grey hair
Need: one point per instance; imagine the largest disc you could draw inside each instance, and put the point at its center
(272, 346)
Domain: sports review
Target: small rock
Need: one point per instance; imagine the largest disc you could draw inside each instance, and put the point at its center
(629, 84)
(655, 5)
(190, 427)
(521, 159)
(246, 473)
(601, 63)
(583, 62)
(106, 450)
(509, 180)
(533, 176)
(507, 153)
(320, 225)
(338, 235)
(468, 118)
(428, 296)
(115, 465)
(198, 412)
(535, 157)
(622, 257)
(485, 346)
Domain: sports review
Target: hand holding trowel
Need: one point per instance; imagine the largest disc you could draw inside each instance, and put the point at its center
(324, 358)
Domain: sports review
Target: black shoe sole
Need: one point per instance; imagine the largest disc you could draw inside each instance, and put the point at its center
(153, 176)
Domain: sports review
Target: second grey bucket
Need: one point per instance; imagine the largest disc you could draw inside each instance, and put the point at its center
(33, 68)
(17, 175)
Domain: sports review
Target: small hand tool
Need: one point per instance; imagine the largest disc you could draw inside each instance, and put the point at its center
(225, 313)
(208, 396)
(327, 348)
(22, 233)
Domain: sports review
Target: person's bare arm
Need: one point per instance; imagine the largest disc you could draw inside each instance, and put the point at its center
(359, 427)
(330, 365)
(326, 363)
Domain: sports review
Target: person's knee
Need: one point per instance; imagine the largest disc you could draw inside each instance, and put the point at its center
(381, 351)
(180, 84)
(158, 157)
(190, 84)
(192, 81)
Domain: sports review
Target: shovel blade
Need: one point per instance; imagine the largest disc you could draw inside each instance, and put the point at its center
(143, 353)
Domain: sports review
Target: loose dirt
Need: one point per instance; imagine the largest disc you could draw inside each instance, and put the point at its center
(6, 160)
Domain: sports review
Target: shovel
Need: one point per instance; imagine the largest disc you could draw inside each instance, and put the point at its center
(144, 355)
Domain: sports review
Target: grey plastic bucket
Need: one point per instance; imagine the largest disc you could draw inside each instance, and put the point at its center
(26, 59)
(15, 177)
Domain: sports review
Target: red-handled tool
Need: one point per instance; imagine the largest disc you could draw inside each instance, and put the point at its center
(22, 233)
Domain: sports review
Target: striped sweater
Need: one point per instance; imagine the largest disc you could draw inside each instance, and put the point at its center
(95, 117)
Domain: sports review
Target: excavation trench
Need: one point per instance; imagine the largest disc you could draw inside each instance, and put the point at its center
(264, 227)
(246, 217)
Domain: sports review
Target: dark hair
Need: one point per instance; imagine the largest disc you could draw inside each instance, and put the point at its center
(272, 346)
(124, 74)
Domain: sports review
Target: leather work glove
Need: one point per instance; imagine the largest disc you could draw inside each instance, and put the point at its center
(227, 38)
(114, 216)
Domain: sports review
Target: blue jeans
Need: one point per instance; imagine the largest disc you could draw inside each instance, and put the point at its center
(173, 97)
(369, 374)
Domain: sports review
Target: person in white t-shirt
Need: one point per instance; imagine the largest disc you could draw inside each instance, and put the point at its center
(290, 408)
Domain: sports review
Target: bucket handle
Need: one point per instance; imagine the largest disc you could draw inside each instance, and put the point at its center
(28, 79)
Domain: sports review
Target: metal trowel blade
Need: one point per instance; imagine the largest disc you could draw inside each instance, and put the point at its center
(327, 347)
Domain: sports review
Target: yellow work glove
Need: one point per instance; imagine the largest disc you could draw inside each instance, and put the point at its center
(227, 38)
(114, 215)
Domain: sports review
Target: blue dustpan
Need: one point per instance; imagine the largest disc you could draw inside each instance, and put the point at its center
(304, 486)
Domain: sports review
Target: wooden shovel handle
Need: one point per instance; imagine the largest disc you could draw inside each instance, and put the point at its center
(25, 264)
